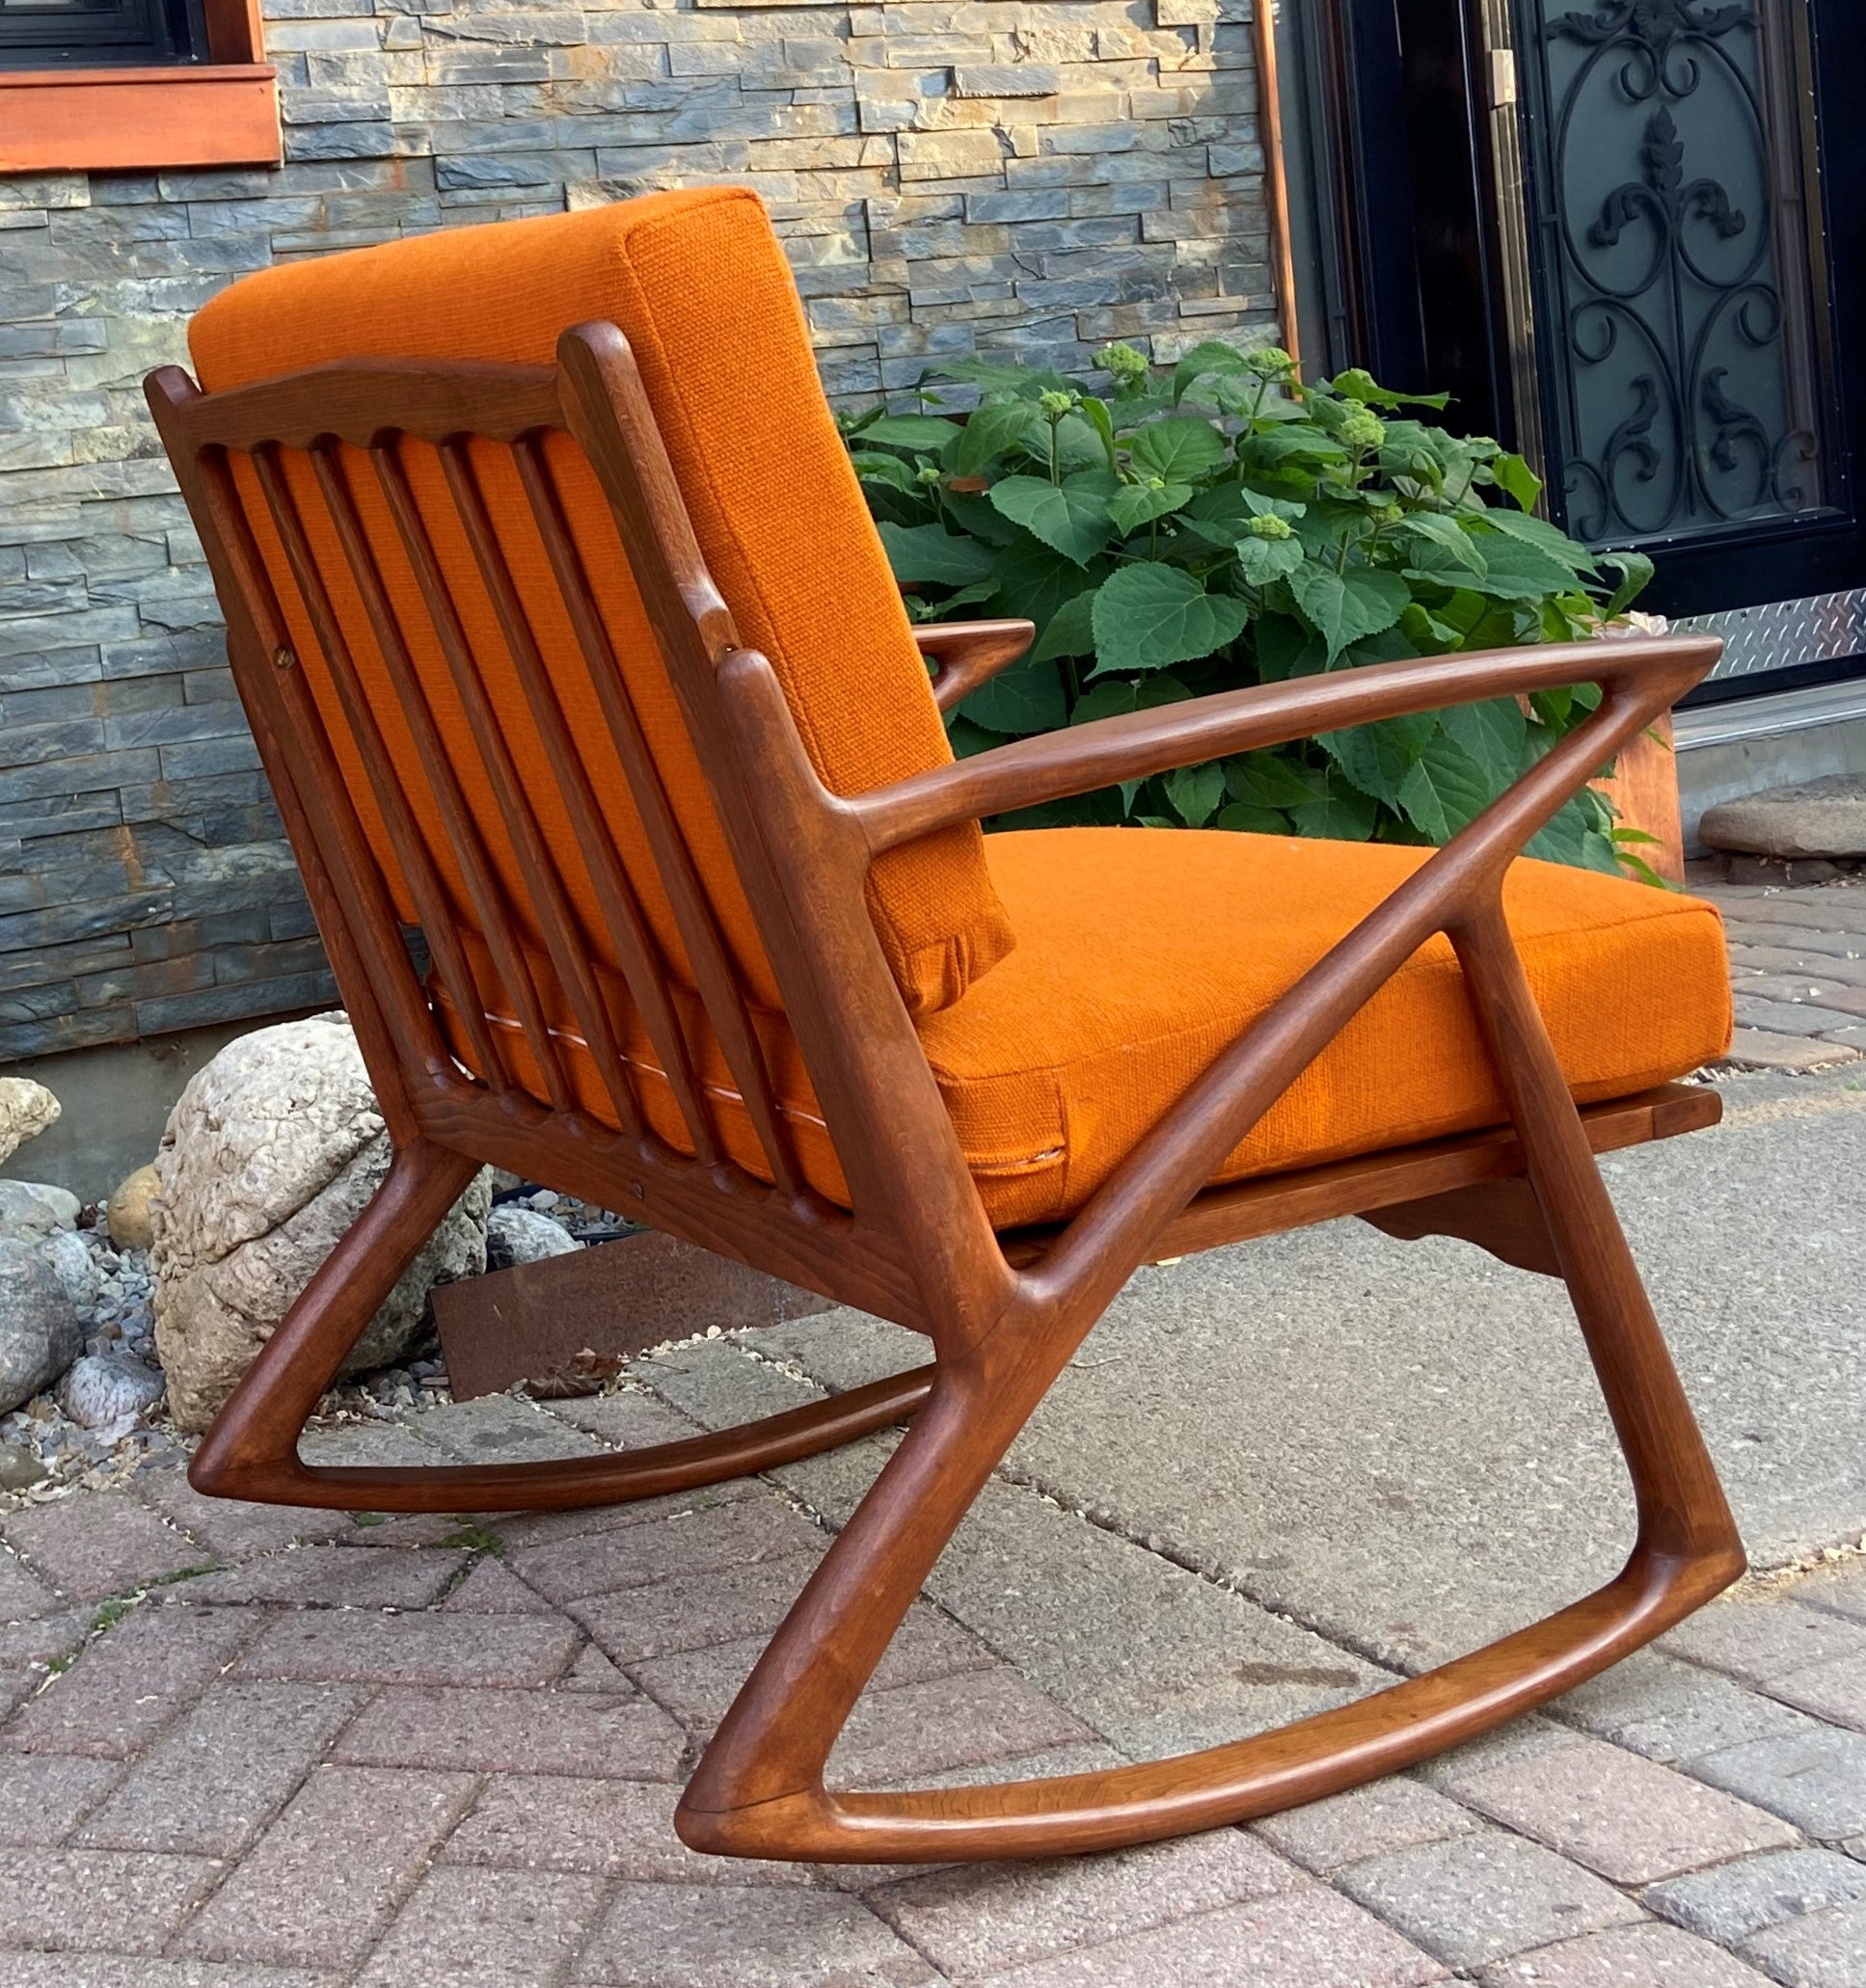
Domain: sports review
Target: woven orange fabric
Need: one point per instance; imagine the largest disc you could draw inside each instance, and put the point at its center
(1143, 953)
(699, 286)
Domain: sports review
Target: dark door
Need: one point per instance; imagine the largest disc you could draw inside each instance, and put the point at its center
(1630, 237)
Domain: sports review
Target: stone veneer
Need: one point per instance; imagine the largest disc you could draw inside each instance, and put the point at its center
(993, 175)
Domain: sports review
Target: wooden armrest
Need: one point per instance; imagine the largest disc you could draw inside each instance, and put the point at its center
(970, 653)
(1083, 758)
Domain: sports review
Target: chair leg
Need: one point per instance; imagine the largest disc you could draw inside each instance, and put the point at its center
(759, 1790)
(252, 1449)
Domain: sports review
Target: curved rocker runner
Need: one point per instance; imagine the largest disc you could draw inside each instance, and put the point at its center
(562, 660)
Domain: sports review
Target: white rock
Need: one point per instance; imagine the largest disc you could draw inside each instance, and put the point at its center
(517, 1234)
(103, 1388)
(39, 1331)
(74, 1267)
(30, 1210)
(26, 1110)
(270, 1156)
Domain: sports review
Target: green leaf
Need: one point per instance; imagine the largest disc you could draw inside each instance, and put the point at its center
(1291, 441)
(1442, 790)
(1196, 792)
(1574, 837)
(1111, 698)
(922, 553)
(1069, 631)
(1344, 607)
(1513, 570)
(1179, 450)
(1635, 573)
(1135, 504)
(1026, 381)
(968, 738)
(1263, 780)
(1261, 560)
(1219, 514)
(967, 597)
(1027, 697)
(872, 465)
(1211, 356)
(1538, 533)
(1357, 384)
(1260, 506)
(1516, 479)
(1034, 582)
(976, 518)
(1102, 809)
(1071, 517)
(1078, 447)
(1286, 648)
(1148, 616)
(1437, 529)
(1495, 735)
(923, 434)
(1378, 758)
(1096, 413)
(991, 430)
(1246, 820)
(1334, 809)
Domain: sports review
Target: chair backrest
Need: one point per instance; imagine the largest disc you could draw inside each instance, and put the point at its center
(440, 574)
(698, 285)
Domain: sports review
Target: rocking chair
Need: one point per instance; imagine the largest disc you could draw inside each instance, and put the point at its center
(618, 781)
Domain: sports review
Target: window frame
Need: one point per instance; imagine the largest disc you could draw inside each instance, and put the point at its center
(143, 116)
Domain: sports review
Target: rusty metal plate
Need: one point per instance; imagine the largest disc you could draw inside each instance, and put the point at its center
(566, 1325)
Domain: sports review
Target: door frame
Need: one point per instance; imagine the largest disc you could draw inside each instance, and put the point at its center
(1416, 142)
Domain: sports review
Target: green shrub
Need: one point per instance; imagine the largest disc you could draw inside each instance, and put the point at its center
(1177, 534)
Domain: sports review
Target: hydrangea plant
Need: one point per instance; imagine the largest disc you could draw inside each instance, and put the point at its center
(1173, 533)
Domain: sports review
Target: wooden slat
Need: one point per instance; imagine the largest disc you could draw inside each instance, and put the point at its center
(570, 947)
(319, 814)
(643, 967)
(478, 873)
(358, 400)
(431, 902)
(712, 971)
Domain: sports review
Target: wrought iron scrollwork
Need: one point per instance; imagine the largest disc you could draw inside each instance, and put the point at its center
(1679, 413)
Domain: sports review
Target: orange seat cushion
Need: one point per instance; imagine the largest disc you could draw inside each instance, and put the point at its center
(699, 286)
(1143, 953)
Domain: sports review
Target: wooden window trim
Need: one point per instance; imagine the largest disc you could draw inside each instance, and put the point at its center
(223, 112)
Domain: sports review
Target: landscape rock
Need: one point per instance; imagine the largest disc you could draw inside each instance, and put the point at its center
(517, 1234)
(26, 1110)
(1818, 818)
(74, 1267)
(41, 1333)
(130, 1217)
(30, 1210)
(104, 1389)
(270, 1156)
(20, 1468)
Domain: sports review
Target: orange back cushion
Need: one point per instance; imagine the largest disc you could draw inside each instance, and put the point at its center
(698, 285)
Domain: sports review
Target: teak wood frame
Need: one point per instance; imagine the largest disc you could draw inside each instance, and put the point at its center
(1004, 1313)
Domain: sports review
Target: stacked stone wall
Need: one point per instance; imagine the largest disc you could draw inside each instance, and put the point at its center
(992, 176)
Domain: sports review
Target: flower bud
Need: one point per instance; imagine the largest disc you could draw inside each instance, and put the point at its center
(1269, 526)
(1122, 362)
(1269, 363)
(1056, 404)
(1363, 431)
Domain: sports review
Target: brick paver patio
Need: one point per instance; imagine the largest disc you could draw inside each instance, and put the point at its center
(1798, 959)
(271, 1750)
(252, 1748)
